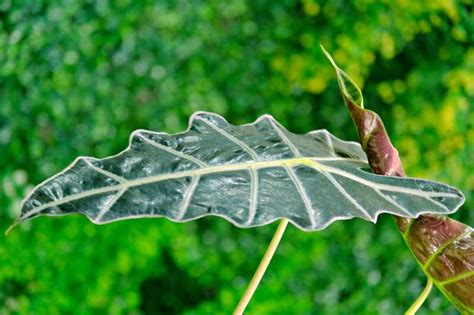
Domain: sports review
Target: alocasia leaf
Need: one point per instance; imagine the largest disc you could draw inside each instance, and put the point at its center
(443, 247)
(250, 175)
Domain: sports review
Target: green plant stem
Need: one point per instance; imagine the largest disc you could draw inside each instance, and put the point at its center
(421, 298)
(262, 267)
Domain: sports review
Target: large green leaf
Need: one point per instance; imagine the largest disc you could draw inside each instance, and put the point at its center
(250, 175)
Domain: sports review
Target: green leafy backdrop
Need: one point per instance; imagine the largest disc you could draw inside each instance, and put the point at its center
(77, 78)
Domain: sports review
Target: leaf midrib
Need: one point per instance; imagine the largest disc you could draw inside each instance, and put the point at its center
(312, 162)
(188, 173)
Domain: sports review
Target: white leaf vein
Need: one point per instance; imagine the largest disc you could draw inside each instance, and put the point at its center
(329, 142)
(284, 138)
(118, 178)
(110, 204)
(253, 195)
(173, 151)
(439, 204)
(304, 196)
(393, 202)
(227, 135)
(379, 186)
(187, 197)
(346, 194)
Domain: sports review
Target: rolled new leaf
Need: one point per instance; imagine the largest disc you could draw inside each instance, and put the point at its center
(250, 175)
(382, 155)
(443, 247)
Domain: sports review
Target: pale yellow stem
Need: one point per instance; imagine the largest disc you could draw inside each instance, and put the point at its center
(421, 298)
(244, 301)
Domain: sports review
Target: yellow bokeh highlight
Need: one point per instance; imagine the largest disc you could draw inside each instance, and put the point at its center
(387, 46)
(316, 84)
(447, 118)
(278, 63)
(310, 7)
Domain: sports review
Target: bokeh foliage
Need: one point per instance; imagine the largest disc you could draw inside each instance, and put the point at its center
(77, 77)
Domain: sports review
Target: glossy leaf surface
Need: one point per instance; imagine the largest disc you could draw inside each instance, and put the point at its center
(250, 175)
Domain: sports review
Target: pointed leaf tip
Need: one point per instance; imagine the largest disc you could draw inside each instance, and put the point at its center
(11, 227)
(350, 90)
(328, 55)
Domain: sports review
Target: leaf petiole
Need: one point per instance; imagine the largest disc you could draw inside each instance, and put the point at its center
(421, 298)
(262, 267)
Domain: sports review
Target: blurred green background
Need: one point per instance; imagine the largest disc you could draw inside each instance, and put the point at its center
(77, 78)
